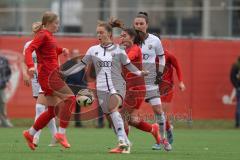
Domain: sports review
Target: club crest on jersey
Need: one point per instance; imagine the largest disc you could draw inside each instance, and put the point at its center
(145, 56)
(96, 53)
(150, 46)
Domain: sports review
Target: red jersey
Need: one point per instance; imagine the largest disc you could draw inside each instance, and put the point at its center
(135, 55)
(47, 52)
(171, 61)
(135, 85)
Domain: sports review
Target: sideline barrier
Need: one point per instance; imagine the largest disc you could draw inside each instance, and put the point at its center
(206, 67)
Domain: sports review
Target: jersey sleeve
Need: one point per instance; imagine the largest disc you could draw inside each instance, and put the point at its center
(124, 58)
(88, 56)
(59, 50)
(176, 65)
(158, 47)
(34, 45)
(160, 53)
(78, 65)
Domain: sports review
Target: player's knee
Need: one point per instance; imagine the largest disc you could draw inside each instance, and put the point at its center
(115, 103)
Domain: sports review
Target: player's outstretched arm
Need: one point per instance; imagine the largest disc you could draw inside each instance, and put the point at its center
(135, 70)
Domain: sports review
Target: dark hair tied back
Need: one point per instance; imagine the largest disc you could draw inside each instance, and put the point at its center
(143, 15)
(138, 36)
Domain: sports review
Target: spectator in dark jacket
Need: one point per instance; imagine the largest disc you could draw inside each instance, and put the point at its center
(235, 79)
(5, 74)
(77, 82)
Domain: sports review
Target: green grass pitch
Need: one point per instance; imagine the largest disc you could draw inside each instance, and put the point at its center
(91, 143)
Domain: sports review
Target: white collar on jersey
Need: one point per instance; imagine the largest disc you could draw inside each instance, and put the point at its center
(107, 46)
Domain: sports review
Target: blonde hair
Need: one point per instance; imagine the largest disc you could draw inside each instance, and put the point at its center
(48, 17)
(113, 22)
(36, 26)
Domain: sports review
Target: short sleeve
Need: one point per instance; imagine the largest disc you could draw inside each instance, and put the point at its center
(158, 47)
(124, 58)
(88, 56)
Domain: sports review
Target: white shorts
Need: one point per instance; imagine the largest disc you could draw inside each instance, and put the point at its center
(36, 88)
(152, 91)
(104, 97)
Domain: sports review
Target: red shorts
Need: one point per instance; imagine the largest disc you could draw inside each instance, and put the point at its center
(51, 82)
(167, 98)
(134, 97)
(166, 91)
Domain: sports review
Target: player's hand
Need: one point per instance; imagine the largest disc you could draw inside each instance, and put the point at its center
(144, 73)
(65, 52)
(26, 80)
(182, 86)
(158, 78)
(31, 71)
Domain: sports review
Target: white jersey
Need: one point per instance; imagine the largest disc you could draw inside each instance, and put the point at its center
(151, 48)
(36, 89)
(108, 63)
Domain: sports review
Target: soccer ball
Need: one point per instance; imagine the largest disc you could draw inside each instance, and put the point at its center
(85, 97)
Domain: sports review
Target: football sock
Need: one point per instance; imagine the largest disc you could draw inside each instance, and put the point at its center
(32, 131)
(52, 127)
(39, 109)
(119, 126)
(66, 109)
(144, 126)
(62, 130)
(168, 126)
(161, 121)
(44, 118)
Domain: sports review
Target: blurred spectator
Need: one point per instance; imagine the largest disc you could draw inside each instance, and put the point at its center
(235, 79)
(5, 74)
(77, 82)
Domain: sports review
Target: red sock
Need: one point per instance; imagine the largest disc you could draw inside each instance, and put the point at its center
(167, 124)
(144, 126)
(44, 118)
(66, 110)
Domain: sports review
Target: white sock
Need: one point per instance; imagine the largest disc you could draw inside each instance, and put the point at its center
(161, 120)
(39, 108)
(32, 131)
(37, 134)
(62, 130)
(52, 127)
(119, 126)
